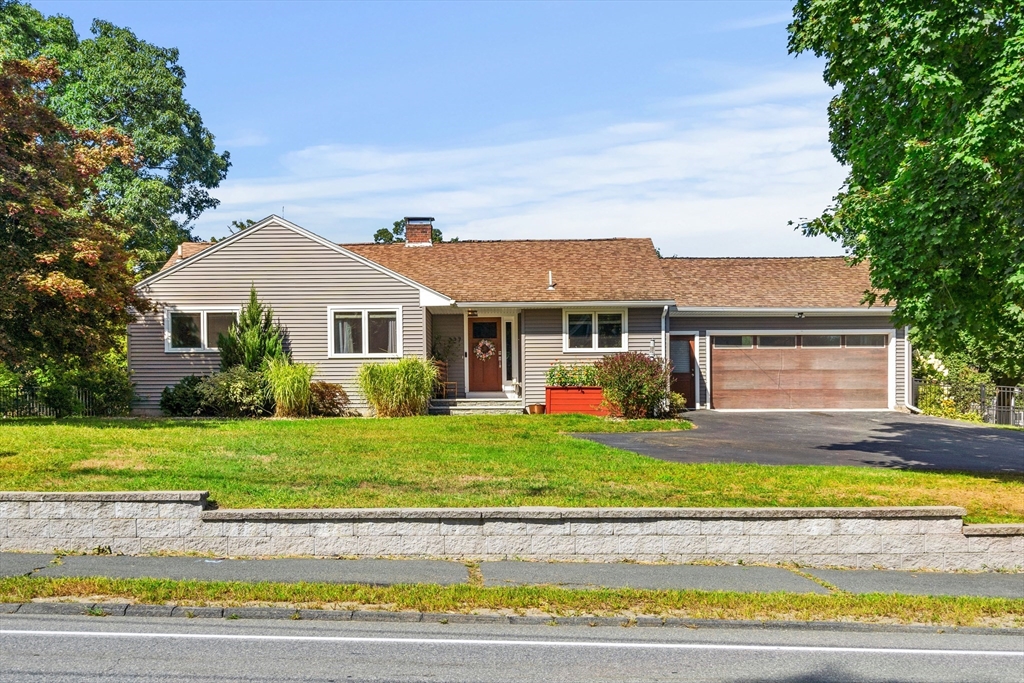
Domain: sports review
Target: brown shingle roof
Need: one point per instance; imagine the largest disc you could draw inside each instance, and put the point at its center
(624, 269)
(798, 282)
(185, 249)
(517, 270)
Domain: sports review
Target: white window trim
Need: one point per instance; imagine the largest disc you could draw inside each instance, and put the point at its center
(202, 310)
(594, 313)
(331, 310)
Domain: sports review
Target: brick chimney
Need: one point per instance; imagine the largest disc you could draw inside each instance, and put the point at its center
(418, 231)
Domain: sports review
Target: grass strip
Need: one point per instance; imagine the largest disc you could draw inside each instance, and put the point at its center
(876, 608)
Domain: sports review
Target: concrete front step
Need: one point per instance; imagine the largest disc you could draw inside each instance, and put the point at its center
(476, 406)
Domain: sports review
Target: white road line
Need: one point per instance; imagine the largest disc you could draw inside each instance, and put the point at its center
(515, 643)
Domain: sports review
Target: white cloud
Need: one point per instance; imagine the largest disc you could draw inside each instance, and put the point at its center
(720, 175)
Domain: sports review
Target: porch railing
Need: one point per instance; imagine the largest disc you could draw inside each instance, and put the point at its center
(992, 403)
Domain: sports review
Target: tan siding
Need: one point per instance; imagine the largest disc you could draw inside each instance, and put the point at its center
(542, 344)
(445, 326)
(645, 325)
(153, 369)
(300, 278)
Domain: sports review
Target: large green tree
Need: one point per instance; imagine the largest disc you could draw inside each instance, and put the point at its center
(114, 79)
(65, 287)
(929, 121)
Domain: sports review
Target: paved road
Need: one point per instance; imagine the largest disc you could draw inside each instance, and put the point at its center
(567, 574)
(860, 439)
(43, 649)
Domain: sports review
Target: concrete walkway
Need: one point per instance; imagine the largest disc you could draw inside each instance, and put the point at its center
(568, 575)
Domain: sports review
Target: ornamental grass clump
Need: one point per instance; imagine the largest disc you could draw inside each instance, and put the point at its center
(398, 389)
(289, 383)
(634, 383)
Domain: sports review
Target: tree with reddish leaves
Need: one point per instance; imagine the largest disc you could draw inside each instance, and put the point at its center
(66, 291)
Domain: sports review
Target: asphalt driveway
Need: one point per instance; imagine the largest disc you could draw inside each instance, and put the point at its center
(868, 439)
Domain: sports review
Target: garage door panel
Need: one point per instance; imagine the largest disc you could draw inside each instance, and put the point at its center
(776, 399)
(800, 378)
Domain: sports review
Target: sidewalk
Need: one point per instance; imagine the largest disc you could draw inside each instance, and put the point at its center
(568, 575)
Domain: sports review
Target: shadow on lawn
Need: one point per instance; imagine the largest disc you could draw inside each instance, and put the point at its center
(127, 423)
(936, 446)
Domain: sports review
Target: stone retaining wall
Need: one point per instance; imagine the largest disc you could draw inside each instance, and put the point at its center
(177, 521)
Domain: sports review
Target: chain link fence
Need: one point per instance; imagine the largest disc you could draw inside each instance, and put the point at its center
(981, 402)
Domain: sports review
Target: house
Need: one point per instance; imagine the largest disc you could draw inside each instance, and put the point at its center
(756, 333)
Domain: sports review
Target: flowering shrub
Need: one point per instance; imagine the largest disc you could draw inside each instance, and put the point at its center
(635, 384)
(583, 375)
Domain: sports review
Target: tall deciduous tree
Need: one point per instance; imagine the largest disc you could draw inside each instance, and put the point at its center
(65, 288)
(115, 79)
(929, 120)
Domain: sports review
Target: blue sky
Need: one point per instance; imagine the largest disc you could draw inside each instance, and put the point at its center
(687, 122)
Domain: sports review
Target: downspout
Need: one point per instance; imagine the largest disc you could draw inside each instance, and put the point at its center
(664, 344)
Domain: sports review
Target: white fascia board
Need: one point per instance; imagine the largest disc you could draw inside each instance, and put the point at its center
(808, 312)
(563, 304)
(425, 292)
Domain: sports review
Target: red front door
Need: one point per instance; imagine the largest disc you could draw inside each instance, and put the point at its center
(485, 354)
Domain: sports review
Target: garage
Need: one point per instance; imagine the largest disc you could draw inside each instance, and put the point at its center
(815, 371)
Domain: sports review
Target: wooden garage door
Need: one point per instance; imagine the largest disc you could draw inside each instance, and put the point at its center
(799, 377)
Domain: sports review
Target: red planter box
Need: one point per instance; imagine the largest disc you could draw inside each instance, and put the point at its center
(585, 400)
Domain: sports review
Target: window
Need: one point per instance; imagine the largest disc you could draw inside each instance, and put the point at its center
(593, 331)
(486, 330)
(609, 330)
(216, 325)
(777, 342)
(821, 340)
(737, 342)
(348, 333)
(186, 329)
(358, 332)
(873, 340)
(196, 330)
(581, 331)
(382, 332)
(679, 354)
(508, 351)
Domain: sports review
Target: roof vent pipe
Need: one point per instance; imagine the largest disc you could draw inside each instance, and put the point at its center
(551, 281)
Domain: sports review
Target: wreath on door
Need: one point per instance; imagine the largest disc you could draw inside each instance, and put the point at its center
(484, 349)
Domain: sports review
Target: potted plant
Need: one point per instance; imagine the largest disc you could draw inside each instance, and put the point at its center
(574, 389)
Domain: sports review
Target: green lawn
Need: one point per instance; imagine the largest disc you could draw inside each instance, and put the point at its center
(445, 462)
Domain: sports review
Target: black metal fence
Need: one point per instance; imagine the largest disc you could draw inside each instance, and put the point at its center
(989, 402)
(33, 402)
